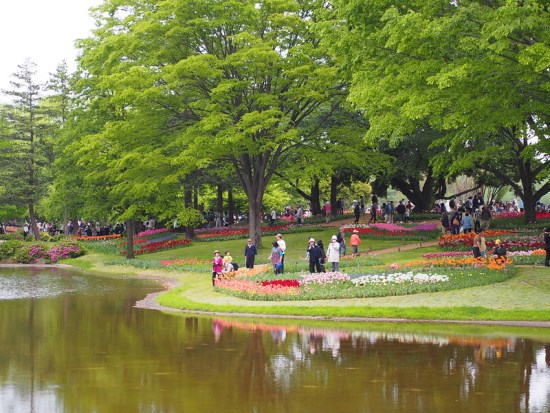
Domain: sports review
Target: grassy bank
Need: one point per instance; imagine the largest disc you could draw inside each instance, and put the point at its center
(526, 296)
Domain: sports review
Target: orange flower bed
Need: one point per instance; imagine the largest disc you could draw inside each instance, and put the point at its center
(490, 262)
(249, 272)
(100, 238)
(471, 235)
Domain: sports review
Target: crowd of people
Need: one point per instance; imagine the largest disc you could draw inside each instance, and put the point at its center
(316, 255)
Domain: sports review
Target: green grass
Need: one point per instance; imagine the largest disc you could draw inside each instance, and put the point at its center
(524, 297)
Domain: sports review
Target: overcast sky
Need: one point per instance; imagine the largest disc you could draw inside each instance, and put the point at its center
(43, 31)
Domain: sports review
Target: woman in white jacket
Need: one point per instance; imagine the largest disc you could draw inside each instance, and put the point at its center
(333, 254)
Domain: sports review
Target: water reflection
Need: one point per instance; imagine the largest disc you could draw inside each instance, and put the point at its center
(89, 350)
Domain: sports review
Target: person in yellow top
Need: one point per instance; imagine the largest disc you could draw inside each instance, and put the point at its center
(227, 262)
(354, 241)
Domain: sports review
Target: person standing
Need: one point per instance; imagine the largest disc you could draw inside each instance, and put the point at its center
(482, 244)
(444, 223)
(373, 207)
(467, 223)
(341, 238)
(485, 217)
(217, 266)
(250, 254)
(299, 215)
(282, 244)
(547, 246)
(354, 241)
(314, 256)
(333, 253)
(356, 211)
(328, 209)
(401, 209)
(362, 204)
(475, 249)
(276, 258)
(272, 217)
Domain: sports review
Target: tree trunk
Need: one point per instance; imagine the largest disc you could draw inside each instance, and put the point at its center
(255, 221)
(231, 206)
(334, 181)
(130, 231)
(188, 199)
(220, 200)
(65, 223)
(34, 227)
(315, 202)
(195, 197)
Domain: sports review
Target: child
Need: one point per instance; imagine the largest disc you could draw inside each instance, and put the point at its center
(227, 262)
(250, 252)
(276, 258)
(217, 265)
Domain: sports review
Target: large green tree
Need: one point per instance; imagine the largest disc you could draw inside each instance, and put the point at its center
(475, 69)
(212, 83)
(24, 161)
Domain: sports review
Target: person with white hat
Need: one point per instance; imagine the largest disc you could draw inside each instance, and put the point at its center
(314, 255)
(354, 241)
(333, 253)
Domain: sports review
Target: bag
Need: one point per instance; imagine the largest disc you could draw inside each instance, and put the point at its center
(279, 265)
(456, 222)
(322, 267)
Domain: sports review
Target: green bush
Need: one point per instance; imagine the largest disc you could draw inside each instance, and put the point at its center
(9, 248)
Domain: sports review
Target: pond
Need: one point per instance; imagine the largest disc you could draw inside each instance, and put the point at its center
(74, 342)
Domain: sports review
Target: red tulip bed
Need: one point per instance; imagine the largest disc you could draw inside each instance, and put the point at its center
(146, 244)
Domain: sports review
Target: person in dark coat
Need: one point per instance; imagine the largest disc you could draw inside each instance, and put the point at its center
(250, 253)
(314, 255)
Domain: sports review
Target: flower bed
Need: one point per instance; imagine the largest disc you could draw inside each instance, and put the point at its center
(419, 232)
(238, 233)
(99, 238)
(159, 246)
(399, 278)
(420, 276)
(512, 240)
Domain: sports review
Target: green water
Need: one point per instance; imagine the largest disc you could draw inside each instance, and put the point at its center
(72, 342)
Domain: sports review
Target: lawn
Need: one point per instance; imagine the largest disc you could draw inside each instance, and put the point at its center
(526, 296)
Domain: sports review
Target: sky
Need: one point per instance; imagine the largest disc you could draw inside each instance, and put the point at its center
(43, 31)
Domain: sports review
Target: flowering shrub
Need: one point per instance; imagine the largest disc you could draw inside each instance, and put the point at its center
(68, 249)
(399, 278)
(31, 253)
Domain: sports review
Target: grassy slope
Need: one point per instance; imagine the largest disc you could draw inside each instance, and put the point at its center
(525, 297)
